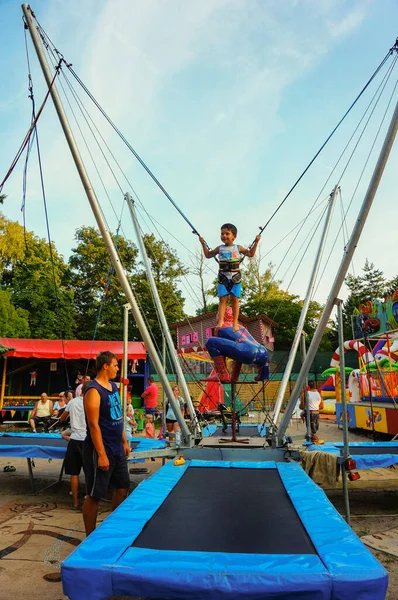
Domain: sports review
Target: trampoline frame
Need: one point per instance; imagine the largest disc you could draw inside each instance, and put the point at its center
(106, 565)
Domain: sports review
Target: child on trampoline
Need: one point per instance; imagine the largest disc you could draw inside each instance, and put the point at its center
(230, 255)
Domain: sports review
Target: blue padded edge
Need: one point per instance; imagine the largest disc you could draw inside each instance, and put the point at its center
(363, 461)
(209, 430)
(33, 450)
(355, 571)
(145, 444)
(30, 434)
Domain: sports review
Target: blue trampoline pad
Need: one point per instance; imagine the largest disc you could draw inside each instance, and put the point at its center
(33, 445)
(368, 455)
(139, 550)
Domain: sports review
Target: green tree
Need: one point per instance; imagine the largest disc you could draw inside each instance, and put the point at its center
(167, 269)
(14, 322)
(97, 289)
(30, 281)
(12, 243)
(371, 285)
(26, 272)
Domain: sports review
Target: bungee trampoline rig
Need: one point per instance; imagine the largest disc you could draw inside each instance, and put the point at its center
(243, 521)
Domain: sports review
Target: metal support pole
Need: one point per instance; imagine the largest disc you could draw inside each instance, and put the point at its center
(304, 310)
(163, 394)
(346, 450)
(165, 327)
(117, 265)
(126, 308)
(342, 271)
(306, 403)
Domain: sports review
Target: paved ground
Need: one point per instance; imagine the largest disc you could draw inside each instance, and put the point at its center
(38, 531)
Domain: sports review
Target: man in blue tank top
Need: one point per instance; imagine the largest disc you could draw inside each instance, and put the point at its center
(105, 449)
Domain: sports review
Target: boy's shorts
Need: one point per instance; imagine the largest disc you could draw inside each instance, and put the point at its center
(98, 481)
(235, 290)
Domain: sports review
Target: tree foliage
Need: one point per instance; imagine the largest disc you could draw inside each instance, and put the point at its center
(14, 322)
(96, 288)
(371, 285)
(167, 269)
(36, 278)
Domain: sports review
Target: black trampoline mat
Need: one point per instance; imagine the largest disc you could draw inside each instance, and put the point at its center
(32, 441)
(250, 430)
(213, 509)
(372, 450)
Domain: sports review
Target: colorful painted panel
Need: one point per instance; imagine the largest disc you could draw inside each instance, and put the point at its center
(376, 317)
(363, 417)
(351, 418)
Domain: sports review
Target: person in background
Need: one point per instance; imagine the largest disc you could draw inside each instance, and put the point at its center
(150, 397)
(42, 412)
(150, 431)
(315, 403)
(59, 405)
(78, 391)
(74, 452)
(171, 421)
(105, 450)
(130, 425)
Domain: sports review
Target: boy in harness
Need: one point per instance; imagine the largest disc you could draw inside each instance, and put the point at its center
(229, 256)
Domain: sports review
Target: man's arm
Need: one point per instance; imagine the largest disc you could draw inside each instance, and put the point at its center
(51, 407)
(92, 407)
(34, 411)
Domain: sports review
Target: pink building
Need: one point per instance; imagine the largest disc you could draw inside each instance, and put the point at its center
(192, 333)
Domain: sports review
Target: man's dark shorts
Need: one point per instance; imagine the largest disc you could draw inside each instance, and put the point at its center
(97, 481)
(74, 457)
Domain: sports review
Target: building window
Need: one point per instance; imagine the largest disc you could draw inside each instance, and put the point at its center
(195, 336)
(208, 332)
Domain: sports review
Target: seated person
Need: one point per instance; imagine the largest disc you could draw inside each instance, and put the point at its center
(58, 409)
(42, 412)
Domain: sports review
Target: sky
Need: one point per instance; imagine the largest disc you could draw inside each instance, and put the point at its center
(226, 101)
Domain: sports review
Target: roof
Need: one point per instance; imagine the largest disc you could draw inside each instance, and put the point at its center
(69, 349)
(242, 319)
